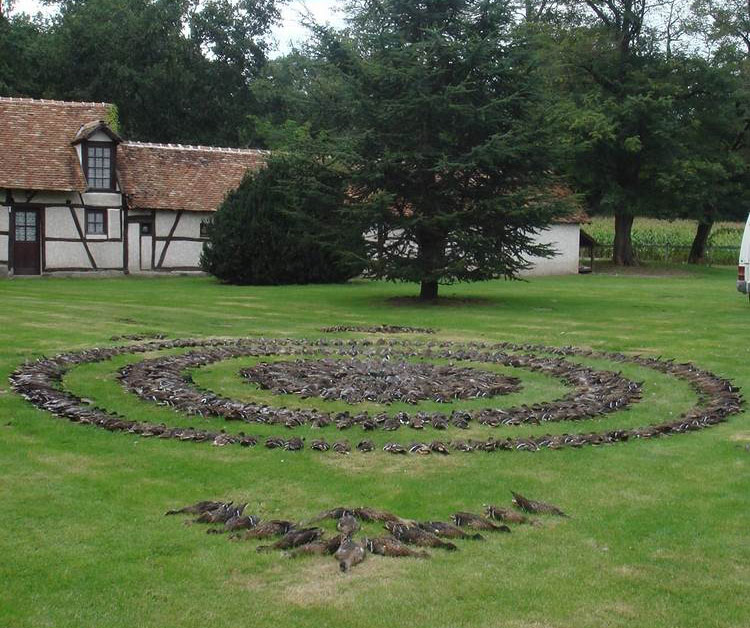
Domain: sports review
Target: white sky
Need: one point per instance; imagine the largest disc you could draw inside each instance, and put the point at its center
(289, 31)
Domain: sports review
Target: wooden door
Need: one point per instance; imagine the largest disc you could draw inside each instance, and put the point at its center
(26, 234)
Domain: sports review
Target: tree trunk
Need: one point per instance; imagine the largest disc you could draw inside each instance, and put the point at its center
(431, 259)
(698, 249)
(428, 291)
(622, 251)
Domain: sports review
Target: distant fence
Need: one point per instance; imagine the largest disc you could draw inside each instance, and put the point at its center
(719, 255)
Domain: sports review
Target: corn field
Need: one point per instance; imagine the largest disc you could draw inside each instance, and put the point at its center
(667, 240)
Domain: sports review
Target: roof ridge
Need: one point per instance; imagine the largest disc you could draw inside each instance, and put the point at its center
(214, 149)
(46, 101)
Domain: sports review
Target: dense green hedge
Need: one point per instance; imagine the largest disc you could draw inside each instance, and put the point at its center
(283, 226)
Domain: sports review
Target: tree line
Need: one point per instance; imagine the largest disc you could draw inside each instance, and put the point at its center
(454, 130)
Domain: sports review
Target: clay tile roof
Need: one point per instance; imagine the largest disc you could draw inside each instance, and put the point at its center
(173, 176)
(35, 142)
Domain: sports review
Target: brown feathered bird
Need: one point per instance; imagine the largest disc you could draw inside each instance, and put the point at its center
(477, 522)
(506, 515)
(293, 538)
(416, 536)
(347, 524)
(349, 554)
(275, 527)
(233, 524)
(392, 547)
(536, 507)
(196, 509)
(448, 531)
(319, 547)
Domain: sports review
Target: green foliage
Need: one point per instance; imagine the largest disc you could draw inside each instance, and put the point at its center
(283, 226)
(178, 71)
(450, 160)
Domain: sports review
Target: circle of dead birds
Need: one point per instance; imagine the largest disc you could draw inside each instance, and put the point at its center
(164, 380)
(381, 381)
(378, 329)
(352, 543)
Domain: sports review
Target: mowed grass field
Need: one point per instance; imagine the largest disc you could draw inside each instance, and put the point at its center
(659, 534)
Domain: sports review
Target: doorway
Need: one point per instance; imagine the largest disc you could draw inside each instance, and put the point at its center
(140, 246)
(26, 237)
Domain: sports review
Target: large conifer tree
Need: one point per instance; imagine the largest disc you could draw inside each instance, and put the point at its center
(449, 151)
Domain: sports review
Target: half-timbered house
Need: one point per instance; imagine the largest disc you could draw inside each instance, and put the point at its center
(75, 197)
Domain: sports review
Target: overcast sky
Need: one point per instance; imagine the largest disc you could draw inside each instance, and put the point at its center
(290, 30)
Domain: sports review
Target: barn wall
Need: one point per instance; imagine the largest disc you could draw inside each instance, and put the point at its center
(565, 240)
(4, 239)
(106, 250)
(183, 251)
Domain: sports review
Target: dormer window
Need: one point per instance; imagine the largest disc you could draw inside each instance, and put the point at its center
(99, 165)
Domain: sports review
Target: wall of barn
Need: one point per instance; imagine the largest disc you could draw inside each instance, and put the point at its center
(564, 238)
(182, 251)
(64, 243)
(4, 239)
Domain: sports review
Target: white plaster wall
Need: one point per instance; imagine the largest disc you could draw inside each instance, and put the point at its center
(66, 255)
(565, 240)
(183, 255)
(58, 223)
(188, 227)
(4, 239)
(102, 199)
(107, 254)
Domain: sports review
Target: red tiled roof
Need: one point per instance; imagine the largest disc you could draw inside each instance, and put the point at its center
(174, 177)
(35, 142)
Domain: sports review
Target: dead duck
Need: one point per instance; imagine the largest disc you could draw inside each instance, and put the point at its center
(347, 524)
(292, 539)
(414, 535)
(439, 447)
(197, 508)
(394, 448)
(318, 547)
(365, 446)
(319, 444)
(349, 554)
(234, 524)
(535, 507)
(294, 444)
(390, 546)
(275, 527)
(420, 449)
(477, 522)
(372, 514)
(448, 531)
(274, 442)
(342, 447)
(222, 514)
(331, 513)
(507, 515)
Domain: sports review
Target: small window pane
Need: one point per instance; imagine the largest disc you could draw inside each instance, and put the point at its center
(95, 221)
(99, 167)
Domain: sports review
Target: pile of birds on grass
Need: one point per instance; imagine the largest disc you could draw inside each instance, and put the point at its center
(595, 393)
(378, 329)
(380, 381)
(403, 536)
(139, 337)
(161, 381)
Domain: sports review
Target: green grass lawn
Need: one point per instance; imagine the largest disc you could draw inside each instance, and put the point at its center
(660, 529)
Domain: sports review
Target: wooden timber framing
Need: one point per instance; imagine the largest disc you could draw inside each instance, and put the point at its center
(82, 237)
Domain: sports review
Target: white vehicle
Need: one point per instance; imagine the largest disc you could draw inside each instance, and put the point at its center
(743, 268)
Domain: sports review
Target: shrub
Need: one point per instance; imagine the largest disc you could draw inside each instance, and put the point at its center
(282, 225)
